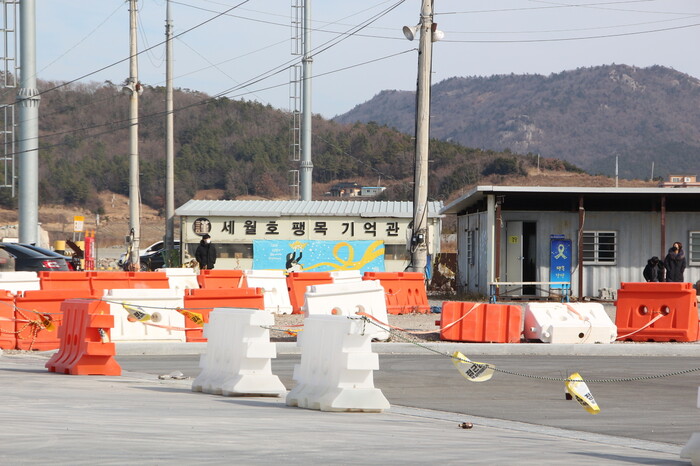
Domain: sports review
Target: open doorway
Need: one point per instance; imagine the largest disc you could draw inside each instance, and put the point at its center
(521, 254)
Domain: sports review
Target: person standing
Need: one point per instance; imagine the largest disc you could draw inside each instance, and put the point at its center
(205, 253)
(674, 263)
(654, 271)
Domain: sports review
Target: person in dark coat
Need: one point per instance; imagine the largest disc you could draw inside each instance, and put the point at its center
(654, 271)
(205, 253)
(674, 263)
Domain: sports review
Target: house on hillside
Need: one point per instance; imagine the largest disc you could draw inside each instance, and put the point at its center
(306, 235)
(680, 181)
(371, 191)
(590, 238)
(345, 189)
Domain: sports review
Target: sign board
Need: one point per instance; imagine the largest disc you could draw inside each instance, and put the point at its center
(559, 261)
(78, 223)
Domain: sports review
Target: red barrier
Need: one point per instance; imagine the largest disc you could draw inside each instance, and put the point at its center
(672, 306)
(220, 279)
(143, 280)
(404, 291)
(108, 280)
(480, 322)
(203, 301)
(64, 280)
(38, 316)
(85, 347)
(297, 283)
(8, 335)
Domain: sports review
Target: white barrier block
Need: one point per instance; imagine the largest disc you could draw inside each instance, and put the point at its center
(585, 323)
(16, 282)
(347, 299)
(274, 285)
(181, 278)
(691, 450)
(336, 368)
(237, 361)
(160, 303)
(346, 276)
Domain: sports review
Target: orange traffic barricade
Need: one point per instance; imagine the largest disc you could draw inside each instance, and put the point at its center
(72, 280)
(8, 334)
(108, 280)
(297, 283)
(220, 278)
(203, 300)
(657, 311)
(85, 347)
(480, 322)
(404, 291)
(38, 317)
(142, 280)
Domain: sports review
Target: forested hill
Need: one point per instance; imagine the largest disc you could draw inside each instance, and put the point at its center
(239, 148)
(587, 117)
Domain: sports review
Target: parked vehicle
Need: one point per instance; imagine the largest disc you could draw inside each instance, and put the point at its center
(151, 260)
(155, 247)
(48, 252)
(31, 260)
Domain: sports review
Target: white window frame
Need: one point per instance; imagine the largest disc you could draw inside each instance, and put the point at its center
(595, 248)
(693, 248)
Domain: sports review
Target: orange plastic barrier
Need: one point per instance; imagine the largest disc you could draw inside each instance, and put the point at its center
(675, 305)
(203, 300)
(220, 278)
(64, 280)
(108, 280)
(8, 335)
(142, 280)
(297, 283)
(404, 291)
(38, 317)
(85, 347)
(480, 322)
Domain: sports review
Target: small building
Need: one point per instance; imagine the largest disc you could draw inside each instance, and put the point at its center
(681, 181)
(371, 191)
(306, 235)
(346, 189)
(593, 238)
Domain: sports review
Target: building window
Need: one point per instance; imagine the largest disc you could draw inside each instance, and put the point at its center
(694, 248)
(600, 247)
(470, 247)
(396, 252)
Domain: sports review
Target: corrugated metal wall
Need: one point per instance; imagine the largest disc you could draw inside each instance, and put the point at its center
(638, 238)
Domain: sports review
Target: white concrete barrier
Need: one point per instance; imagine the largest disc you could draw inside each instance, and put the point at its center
(585, 323)
(337, 367)
(181, 278)
(274, 285)
(347, 299)
(346, 276)
(160, 303)
(691, 450)
(16, 282)
(237, 360)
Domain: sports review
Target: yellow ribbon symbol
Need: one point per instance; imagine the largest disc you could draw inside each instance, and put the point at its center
(561, 250)
(373, 251)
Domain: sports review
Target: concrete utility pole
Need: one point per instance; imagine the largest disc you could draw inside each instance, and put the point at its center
(169, 136)
(134, 88)
(306, 165)
(419, 239)
(28, 100)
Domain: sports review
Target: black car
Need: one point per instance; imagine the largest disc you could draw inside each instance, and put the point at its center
(32, 260)
(48, 252)
(152, 260)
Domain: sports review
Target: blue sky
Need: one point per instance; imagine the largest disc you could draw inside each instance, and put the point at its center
(247, 52)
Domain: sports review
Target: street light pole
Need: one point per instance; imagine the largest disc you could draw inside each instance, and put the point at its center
(133, 87)
(420, 238)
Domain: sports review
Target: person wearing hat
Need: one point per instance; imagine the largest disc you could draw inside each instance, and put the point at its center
(205, 253)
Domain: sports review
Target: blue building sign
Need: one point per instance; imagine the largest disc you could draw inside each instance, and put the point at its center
(318, 256)
(559, 261)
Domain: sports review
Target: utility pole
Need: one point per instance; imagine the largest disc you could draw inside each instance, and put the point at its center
(306, 165)
(28, 100)
(169, 136)
(419, 238)
(133, 87)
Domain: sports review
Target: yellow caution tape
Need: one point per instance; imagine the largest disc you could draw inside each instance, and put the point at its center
(193, 316)
(47, 322)
(472, 370)
(581, 393)
(137, 314)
